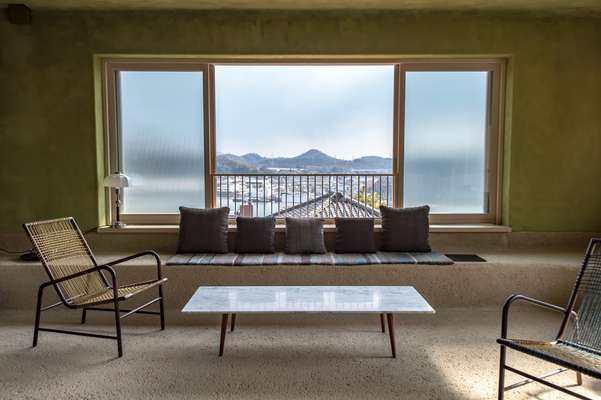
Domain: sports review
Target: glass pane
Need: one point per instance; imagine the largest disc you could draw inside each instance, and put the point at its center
(162, 140)
(303, 119)
(445, 141)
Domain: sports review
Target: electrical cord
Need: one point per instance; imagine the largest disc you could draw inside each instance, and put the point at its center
(21, 252)
(90, 230)
(14, 251)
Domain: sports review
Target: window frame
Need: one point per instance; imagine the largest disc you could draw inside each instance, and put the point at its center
(111, 66)
(494, 148)
(113, 159)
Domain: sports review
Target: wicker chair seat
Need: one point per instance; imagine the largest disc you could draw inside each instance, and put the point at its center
(106, 296)
(561, 353)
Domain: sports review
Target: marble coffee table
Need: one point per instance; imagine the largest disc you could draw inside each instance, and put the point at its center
(382, 300)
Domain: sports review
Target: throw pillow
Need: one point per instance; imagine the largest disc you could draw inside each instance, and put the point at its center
(255, 235)
(304, 235)
(203, 230)
(405, 229)
(354, 235)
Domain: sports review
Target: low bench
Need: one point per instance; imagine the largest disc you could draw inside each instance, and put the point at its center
(547, 275)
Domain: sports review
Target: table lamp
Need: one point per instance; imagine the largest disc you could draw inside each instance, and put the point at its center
(117, 181)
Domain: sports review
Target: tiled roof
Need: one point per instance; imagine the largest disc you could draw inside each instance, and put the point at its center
(329, 205)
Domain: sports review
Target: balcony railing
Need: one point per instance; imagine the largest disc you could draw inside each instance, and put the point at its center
(304, 195)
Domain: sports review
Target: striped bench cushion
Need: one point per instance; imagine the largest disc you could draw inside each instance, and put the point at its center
(432, 258)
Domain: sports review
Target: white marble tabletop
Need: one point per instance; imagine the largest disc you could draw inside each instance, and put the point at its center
(308, 299)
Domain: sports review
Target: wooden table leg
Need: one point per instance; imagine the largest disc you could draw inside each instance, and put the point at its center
(382, 323)
(390, 319)
(223, 330)
(233, 323)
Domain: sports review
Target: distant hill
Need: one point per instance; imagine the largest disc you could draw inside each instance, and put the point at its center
(253, 158)
(310, 161)
(372, 162)
(230, 163)
(317, 157)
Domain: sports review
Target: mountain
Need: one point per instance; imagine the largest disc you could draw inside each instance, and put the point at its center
(312, 160)
(230, 163)
(316, 157)
(252, 158)
(309, 161)
(372, 162)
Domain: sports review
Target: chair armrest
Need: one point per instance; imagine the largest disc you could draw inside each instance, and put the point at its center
(137, 255)
(520, 297)
(99, 268)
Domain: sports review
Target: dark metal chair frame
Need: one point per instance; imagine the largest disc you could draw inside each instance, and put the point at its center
(112, 286)
(589, 282)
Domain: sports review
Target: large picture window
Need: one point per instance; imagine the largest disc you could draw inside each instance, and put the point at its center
(294, 138)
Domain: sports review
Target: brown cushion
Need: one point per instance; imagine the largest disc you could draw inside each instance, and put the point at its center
(405, 229)
(255, 235)
(203, 230)
(354, 235)
(304, 235)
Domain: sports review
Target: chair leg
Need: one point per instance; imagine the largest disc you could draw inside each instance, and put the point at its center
(233, 324)
(37, 316)
(579, 378)
(162, 307)
(501, 393)
(118, 329)
(382, 324)
(83, 316)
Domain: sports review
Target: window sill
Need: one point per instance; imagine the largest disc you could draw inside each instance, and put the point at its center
(472, 228)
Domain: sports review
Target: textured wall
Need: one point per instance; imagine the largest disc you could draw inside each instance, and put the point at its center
(47, 116)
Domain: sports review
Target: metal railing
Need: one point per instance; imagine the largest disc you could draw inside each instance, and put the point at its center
(304, 195)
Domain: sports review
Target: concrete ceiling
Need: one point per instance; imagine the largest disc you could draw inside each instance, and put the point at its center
(580, 7)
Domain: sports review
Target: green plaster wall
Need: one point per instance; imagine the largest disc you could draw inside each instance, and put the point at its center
(48, 149)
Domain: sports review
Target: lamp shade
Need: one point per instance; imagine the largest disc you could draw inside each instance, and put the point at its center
(116, 181)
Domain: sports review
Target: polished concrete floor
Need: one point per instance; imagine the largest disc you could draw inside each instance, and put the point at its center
(450, 355)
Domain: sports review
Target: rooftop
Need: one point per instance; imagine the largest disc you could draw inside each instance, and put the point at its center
(329, 205)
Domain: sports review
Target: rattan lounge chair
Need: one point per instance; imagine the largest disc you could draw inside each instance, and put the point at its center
(577, 346)
(80, 282)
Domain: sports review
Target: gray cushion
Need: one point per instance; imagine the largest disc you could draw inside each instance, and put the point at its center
(203, 230)
(255, 235)
(405, 229)
(354, 235)
(304, 235)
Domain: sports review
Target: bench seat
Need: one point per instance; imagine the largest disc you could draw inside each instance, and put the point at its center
(543, 274)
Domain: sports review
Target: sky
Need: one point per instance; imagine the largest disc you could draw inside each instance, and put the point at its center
(161, 112)
(282, 111)
(445, 113)
(345, 111)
